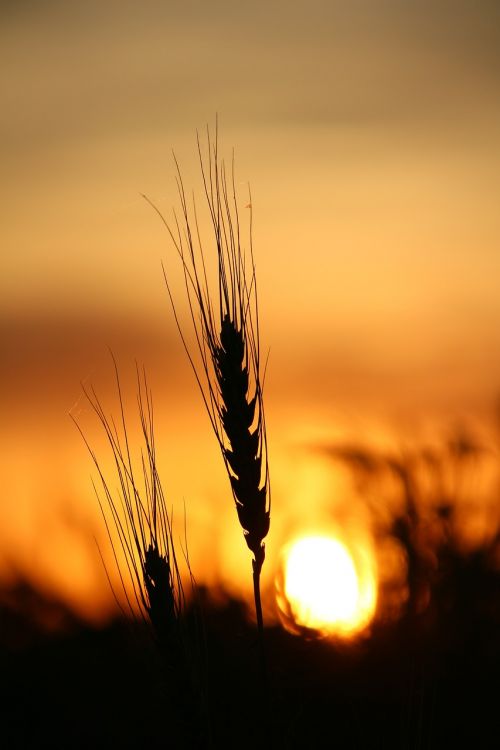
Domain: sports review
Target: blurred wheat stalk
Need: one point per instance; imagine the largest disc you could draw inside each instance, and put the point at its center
(225, 319)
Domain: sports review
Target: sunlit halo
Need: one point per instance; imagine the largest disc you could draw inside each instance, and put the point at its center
(324, 589)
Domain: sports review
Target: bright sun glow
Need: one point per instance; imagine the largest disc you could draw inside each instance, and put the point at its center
(324, 588)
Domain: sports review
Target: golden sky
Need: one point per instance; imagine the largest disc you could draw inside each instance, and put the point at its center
(370, 135)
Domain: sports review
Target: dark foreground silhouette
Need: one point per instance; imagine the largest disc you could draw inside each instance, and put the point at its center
(418, 683)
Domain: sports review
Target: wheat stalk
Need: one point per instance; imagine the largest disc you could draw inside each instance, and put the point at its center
(226, 326)
(137, 520)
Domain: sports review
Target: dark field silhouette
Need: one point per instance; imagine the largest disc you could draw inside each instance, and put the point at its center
(426, 681)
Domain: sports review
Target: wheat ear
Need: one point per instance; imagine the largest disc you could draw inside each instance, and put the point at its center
(137, 520)
(225, 319)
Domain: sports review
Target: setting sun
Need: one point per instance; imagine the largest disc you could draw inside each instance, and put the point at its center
(324, 589)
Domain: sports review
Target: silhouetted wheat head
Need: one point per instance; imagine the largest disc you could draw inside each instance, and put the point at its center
(137, 520)
(225, 319)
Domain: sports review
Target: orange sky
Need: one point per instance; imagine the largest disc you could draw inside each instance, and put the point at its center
(370, 134)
